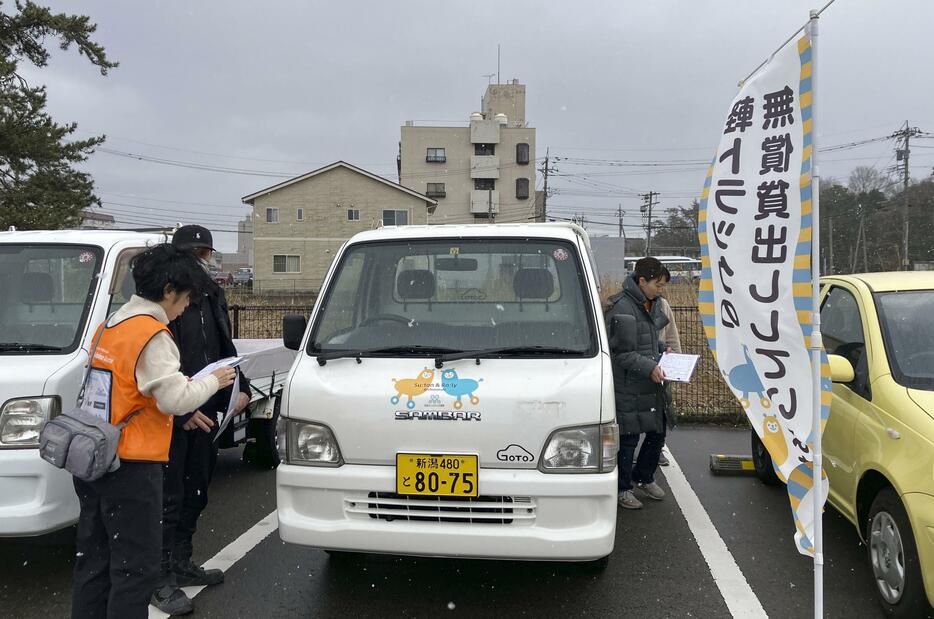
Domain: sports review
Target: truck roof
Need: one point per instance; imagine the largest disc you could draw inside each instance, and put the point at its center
(101, 238)
(555, 230)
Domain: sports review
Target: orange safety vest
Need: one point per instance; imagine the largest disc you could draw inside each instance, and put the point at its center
(148, 434)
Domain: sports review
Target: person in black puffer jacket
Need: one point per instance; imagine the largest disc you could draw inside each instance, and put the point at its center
(642, 401)
(202, 333)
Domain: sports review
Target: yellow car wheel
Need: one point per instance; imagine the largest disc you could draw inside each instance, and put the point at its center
(893, 557)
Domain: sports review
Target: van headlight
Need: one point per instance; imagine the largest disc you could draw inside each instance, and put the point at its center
(584, 449)
(305, 443)
(22, 419)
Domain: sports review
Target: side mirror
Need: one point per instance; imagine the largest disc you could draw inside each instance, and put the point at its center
(841, 370)
(293, 330)
(623, 332)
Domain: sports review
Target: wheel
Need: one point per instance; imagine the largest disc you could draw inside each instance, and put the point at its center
(763, 462)
(893, 557)
(264, 453)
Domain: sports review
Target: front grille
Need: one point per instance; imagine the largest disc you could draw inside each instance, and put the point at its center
(390, 506)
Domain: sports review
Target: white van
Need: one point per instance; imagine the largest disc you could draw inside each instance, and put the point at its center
(55, 288)
(453, 398)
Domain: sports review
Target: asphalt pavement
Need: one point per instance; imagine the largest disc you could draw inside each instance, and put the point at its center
(656, 570)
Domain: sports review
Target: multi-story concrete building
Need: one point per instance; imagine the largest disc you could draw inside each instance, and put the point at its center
(483, 170)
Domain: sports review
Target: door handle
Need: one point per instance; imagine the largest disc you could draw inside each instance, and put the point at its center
(893, 433)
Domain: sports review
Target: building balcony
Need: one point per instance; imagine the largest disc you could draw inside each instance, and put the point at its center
(482, 199)
(484, 166)
(484, 132)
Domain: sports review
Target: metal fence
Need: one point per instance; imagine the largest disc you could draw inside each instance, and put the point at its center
(262, 321)
(706, 397)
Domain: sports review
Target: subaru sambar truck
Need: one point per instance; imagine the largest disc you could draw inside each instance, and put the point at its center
(453, 397)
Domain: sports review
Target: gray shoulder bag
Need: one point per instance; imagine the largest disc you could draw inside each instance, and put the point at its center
(79, 441)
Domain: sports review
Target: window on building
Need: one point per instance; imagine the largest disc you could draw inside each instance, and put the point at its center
(522, 153)
(272, 215)
(435, 190)
(353, 214)
(300, 214)
(435, 155)
(522, 189)
(484, 149)
(286, 264)
(484, 183)
(395, 218)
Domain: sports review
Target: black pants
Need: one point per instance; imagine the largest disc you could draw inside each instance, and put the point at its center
(643, 472)
(118, 542)
(186, 477)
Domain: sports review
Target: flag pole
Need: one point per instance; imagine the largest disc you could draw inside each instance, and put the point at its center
(816, 343)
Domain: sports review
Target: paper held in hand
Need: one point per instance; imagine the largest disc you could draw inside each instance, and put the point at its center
(220, 363)
(678, 367)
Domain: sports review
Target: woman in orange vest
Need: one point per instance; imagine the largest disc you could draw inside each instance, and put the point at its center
(136, 364)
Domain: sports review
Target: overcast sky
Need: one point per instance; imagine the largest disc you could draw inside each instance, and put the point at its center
(285, 87)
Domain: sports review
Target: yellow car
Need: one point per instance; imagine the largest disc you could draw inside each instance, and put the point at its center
(878, 445)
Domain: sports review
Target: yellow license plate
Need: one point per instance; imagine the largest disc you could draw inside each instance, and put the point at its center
(436, 475)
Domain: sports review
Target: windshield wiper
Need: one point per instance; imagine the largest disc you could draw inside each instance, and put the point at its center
(8, 346)
(357, 353)
(503, 350)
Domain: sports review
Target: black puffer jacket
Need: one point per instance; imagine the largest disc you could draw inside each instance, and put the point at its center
(202, 333)
(640, 402)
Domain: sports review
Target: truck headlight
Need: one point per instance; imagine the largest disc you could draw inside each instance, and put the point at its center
(22, 419)
(305, 443)
(584, 449)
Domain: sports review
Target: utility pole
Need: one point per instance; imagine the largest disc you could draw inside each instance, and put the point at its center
(650, 201)
(489, 207)
(545, 190)
(830, 238)
(902, 154)
(619, 215)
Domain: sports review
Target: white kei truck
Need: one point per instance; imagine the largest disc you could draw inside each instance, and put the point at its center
(55, 288)
(453, 397)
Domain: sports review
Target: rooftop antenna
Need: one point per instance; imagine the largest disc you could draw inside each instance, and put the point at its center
(497, 64)
(489, 78)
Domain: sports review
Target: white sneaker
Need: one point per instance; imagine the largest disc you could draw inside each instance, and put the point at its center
(653, 491)
(628, 500)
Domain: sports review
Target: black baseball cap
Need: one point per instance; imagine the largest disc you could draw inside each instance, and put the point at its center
(193, 237)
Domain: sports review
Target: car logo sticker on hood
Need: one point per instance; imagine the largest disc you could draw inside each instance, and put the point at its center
(436, 395)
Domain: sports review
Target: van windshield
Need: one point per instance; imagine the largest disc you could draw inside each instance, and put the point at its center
(458, 295)
(47, 291)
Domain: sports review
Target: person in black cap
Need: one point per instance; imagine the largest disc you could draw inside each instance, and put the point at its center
(203, 336)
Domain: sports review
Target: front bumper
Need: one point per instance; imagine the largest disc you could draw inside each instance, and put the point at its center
(556, 517)
(35, 497)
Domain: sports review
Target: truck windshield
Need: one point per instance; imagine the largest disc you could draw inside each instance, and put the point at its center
(47, 291)
(458, 295)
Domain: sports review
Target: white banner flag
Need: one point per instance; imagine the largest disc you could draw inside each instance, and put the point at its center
(755, 294)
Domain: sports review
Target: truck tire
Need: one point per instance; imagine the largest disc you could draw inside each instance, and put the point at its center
(264, 453)
(893, 558)
(763, 462)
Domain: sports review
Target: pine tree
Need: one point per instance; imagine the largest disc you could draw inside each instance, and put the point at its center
(39, 186)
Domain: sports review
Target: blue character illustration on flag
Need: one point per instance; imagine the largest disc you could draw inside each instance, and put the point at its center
(756, 295)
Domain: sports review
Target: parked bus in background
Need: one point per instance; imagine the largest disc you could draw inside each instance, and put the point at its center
(682, 268)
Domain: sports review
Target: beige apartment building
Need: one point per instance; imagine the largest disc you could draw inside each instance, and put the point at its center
(482, 170)
(299, 224)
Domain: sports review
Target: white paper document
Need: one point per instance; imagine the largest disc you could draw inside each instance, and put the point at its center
(220, 363)
(231, 405)
(678, 367)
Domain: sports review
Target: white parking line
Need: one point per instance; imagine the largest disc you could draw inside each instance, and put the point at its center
(233, 552)
(736, 592)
